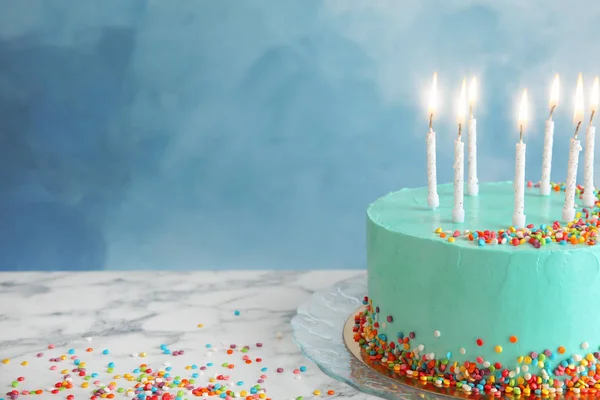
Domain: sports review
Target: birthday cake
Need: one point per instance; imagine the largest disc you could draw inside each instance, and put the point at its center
(482, 306)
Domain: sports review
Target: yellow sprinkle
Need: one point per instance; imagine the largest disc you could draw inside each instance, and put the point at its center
(81, 365)
(117, 377)
(318, 392)
(6, 361)
(188, 367)
(24, 363)
(438, 230)
(142, 354)
(211, 380)
(584, 363)
(540, 364)
(262, 395)
(84, 385)
(519, 359)
(589, 357)
(498, 349)
(243, 393)
(527, 360)
(451, 239)
(200, 325)
(520, 380)
(64, 371)
(512, 229)
(63, 357)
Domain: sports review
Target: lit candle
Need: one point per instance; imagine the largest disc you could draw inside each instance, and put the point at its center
(472, 182)
(458, 213)
(589, 198)
(518, 219)
(548, 140)
(568, 213)
(433, 200)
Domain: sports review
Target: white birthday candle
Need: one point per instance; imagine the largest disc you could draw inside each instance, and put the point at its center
(472, 181)
(589, 198)
(458, 213)
(548, 140)
(568, 213)
(518, 219)
(433, 199)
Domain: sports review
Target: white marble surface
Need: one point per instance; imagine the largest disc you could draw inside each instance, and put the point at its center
(134, 312)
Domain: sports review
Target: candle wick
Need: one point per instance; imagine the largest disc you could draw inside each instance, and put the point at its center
(459, 130)
(592, 116)
(521, 133)
(551, 112)
(577, 129)
(431, 121)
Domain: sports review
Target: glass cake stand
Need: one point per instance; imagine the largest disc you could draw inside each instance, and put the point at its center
(323, 330)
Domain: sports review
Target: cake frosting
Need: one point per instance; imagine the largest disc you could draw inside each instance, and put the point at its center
(473, 312)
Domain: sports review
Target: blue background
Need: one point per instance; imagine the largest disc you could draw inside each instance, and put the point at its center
(253, 134)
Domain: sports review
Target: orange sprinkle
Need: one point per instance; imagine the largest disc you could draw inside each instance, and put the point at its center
(513, 339)
(442, 235)
(561, 350)
(330, 392)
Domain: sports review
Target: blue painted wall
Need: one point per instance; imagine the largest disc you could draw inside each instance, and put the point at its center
(253, 134)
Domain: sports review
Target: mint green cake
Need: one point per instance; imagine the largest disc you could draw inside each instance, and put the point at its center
(478, 305)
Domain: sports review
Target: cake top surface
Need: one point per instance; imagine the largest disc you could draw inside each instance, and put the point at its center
(406, 211)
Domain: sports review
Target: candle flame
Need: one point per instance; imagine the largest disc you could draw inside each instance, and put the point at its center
(523, 110)
(578, 109)
(473, 91)
(462, 103)
(433, 96)
(595, 95)
(554, 92)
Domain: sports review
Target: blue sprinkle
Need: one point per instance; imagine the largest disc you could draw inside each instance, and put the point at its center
(240, 383)
(169, 369)
(303, 368)
(71, 351)
(481, 242)
(210, 364)
(194, 375)
(208, 346)
(105, 351)
(264, 369)
(194, 366)
(111, 364)
(236, 312)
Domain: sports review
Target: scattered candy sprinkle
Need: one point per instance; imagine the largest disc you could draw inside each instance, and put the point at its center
(146, 382)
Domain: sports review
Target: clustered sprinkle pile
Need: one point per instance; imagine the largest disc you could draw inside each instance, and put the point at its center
(583, 230)
(147, 382)
(575, 375)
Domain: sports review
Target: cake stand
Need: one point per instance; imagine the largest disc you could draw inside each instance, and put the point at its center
(322, 328)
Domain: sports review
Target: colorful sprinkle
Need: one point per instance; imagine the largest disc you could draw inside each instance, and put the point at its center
(582, 230)
(538, 375)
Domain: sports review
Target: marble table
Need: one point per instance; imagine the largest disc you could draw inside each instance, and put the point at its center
(129, 315)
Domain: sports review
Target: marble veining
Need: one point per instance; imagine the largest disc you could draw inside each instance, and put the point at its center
(134, 312)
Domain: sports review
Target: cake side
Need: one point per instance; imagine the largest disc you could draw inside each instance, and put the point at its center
(501, 308)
